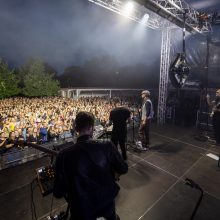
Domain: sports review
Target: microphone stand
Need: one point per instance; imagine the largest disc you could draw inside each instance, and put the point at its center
(132, 143)
(192, 184)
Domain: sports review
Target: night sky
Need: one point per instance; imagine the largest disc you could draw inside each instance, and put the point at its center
(71, 32)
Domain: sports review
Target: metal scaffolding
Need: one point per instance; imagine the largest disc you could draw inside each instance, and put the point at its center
(162, 14)
(173, 10)
(164, 73)
(154, 21)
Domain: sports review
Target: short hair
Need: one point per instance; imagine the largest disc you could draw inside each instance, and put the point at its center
(84, 120)
(146, 92)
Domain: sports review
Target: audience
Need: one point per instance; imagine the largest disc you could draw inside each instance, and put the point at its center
(39, 120)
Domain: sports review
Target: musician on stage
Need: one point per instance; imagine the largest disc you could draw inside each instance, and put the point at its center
(215, 104)
(146, 117)
(84, 174)
(119, 116)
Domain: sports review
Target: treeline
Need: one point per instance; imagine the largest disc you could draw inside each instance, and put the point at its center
(37, 78)
(34, 79)
(105, 71)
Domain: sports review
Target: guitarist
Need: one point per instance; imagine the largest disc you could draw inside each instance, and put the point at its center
(83, 174)
(215, 104)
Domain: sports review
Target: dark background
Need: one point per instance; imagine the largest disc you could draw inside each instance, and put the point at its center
(92, 46)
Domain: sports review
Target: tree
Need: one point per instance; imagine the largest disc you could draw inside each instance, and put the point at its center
(37, 82)
(8, 81)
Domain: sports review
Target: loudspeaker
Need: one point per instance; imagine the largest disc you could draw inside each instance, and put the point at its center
(179, 71)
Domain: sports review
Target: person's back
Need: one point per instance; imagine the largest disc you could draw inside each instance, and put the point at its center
(119, 116)
(85, 174)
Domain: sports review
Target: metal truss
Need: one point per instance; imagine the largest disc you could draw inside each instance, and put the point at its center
(170, 10)
(154, 21)
(162, 13)
(164, 73)
(173, 11)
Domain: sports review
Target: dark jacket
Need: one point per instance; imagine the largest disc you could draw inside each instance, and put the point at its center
(84, 174)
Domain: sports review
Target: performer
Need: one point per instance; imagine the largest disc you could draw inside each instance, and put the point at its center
(119, 116)
(146, 116)
(215, 104)
(84, 174)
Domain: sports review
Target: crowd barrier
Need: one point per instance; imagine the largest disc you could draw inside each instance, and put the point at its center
(17, 155)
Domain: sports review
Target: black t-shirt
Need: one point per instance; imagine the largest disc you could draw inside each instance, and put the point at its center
(31, 138)
(119, 116)
(13, 141)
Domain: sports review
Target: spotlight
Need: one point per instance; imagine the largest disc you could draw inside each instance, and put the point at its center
(145, 19)
(128, 8)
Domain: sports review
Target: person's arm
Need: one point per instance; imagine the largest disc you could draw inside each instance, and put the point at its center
(148, 109)
(3, 142)
(109, 122)
(111, 116)
(9, 144)
(59, 187)
(117, 163)
(208, 100)
(129, 116)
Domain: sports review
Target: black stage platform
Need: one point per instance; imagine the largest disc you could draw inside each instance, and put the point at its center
(153, 189)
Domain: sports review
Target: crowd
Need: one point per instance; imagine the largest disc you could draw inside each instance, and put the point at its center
(40, 120)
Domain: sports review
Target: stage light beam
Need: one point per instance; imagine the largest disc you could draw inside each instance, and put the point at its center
(128, 8)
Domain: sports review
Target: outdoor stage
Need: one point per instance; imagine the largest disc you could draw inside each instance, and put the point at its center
(153, 189)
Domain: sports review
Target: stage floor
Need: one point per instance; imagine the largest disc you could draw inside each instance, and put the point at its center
(153, 189)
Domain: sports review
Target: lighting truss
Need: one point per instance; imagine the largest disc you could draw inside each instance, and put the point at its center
(164, 75)
(154, 21)
(162, 13)
(173, 11)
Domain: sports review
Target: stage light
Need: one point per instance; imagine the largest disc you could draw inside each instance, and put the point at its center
(128, 8)
(145, 19)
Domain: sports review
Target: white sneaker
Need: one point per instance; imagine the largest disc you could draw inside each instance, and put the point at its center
(139, 144)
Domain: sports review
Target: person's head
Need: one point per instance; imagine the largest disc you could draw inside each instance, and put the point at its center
(218, 93)
(84, 123)
(145, 94)
(44, 124)
(117, 102)
(12, 135)
(3, 135)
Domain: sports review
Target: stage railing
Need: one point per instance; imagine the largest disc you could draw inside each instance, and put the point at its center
(18, 155)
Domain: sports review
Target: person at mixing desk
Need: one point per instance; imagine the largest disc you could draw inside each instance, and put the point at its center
(84, 174)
